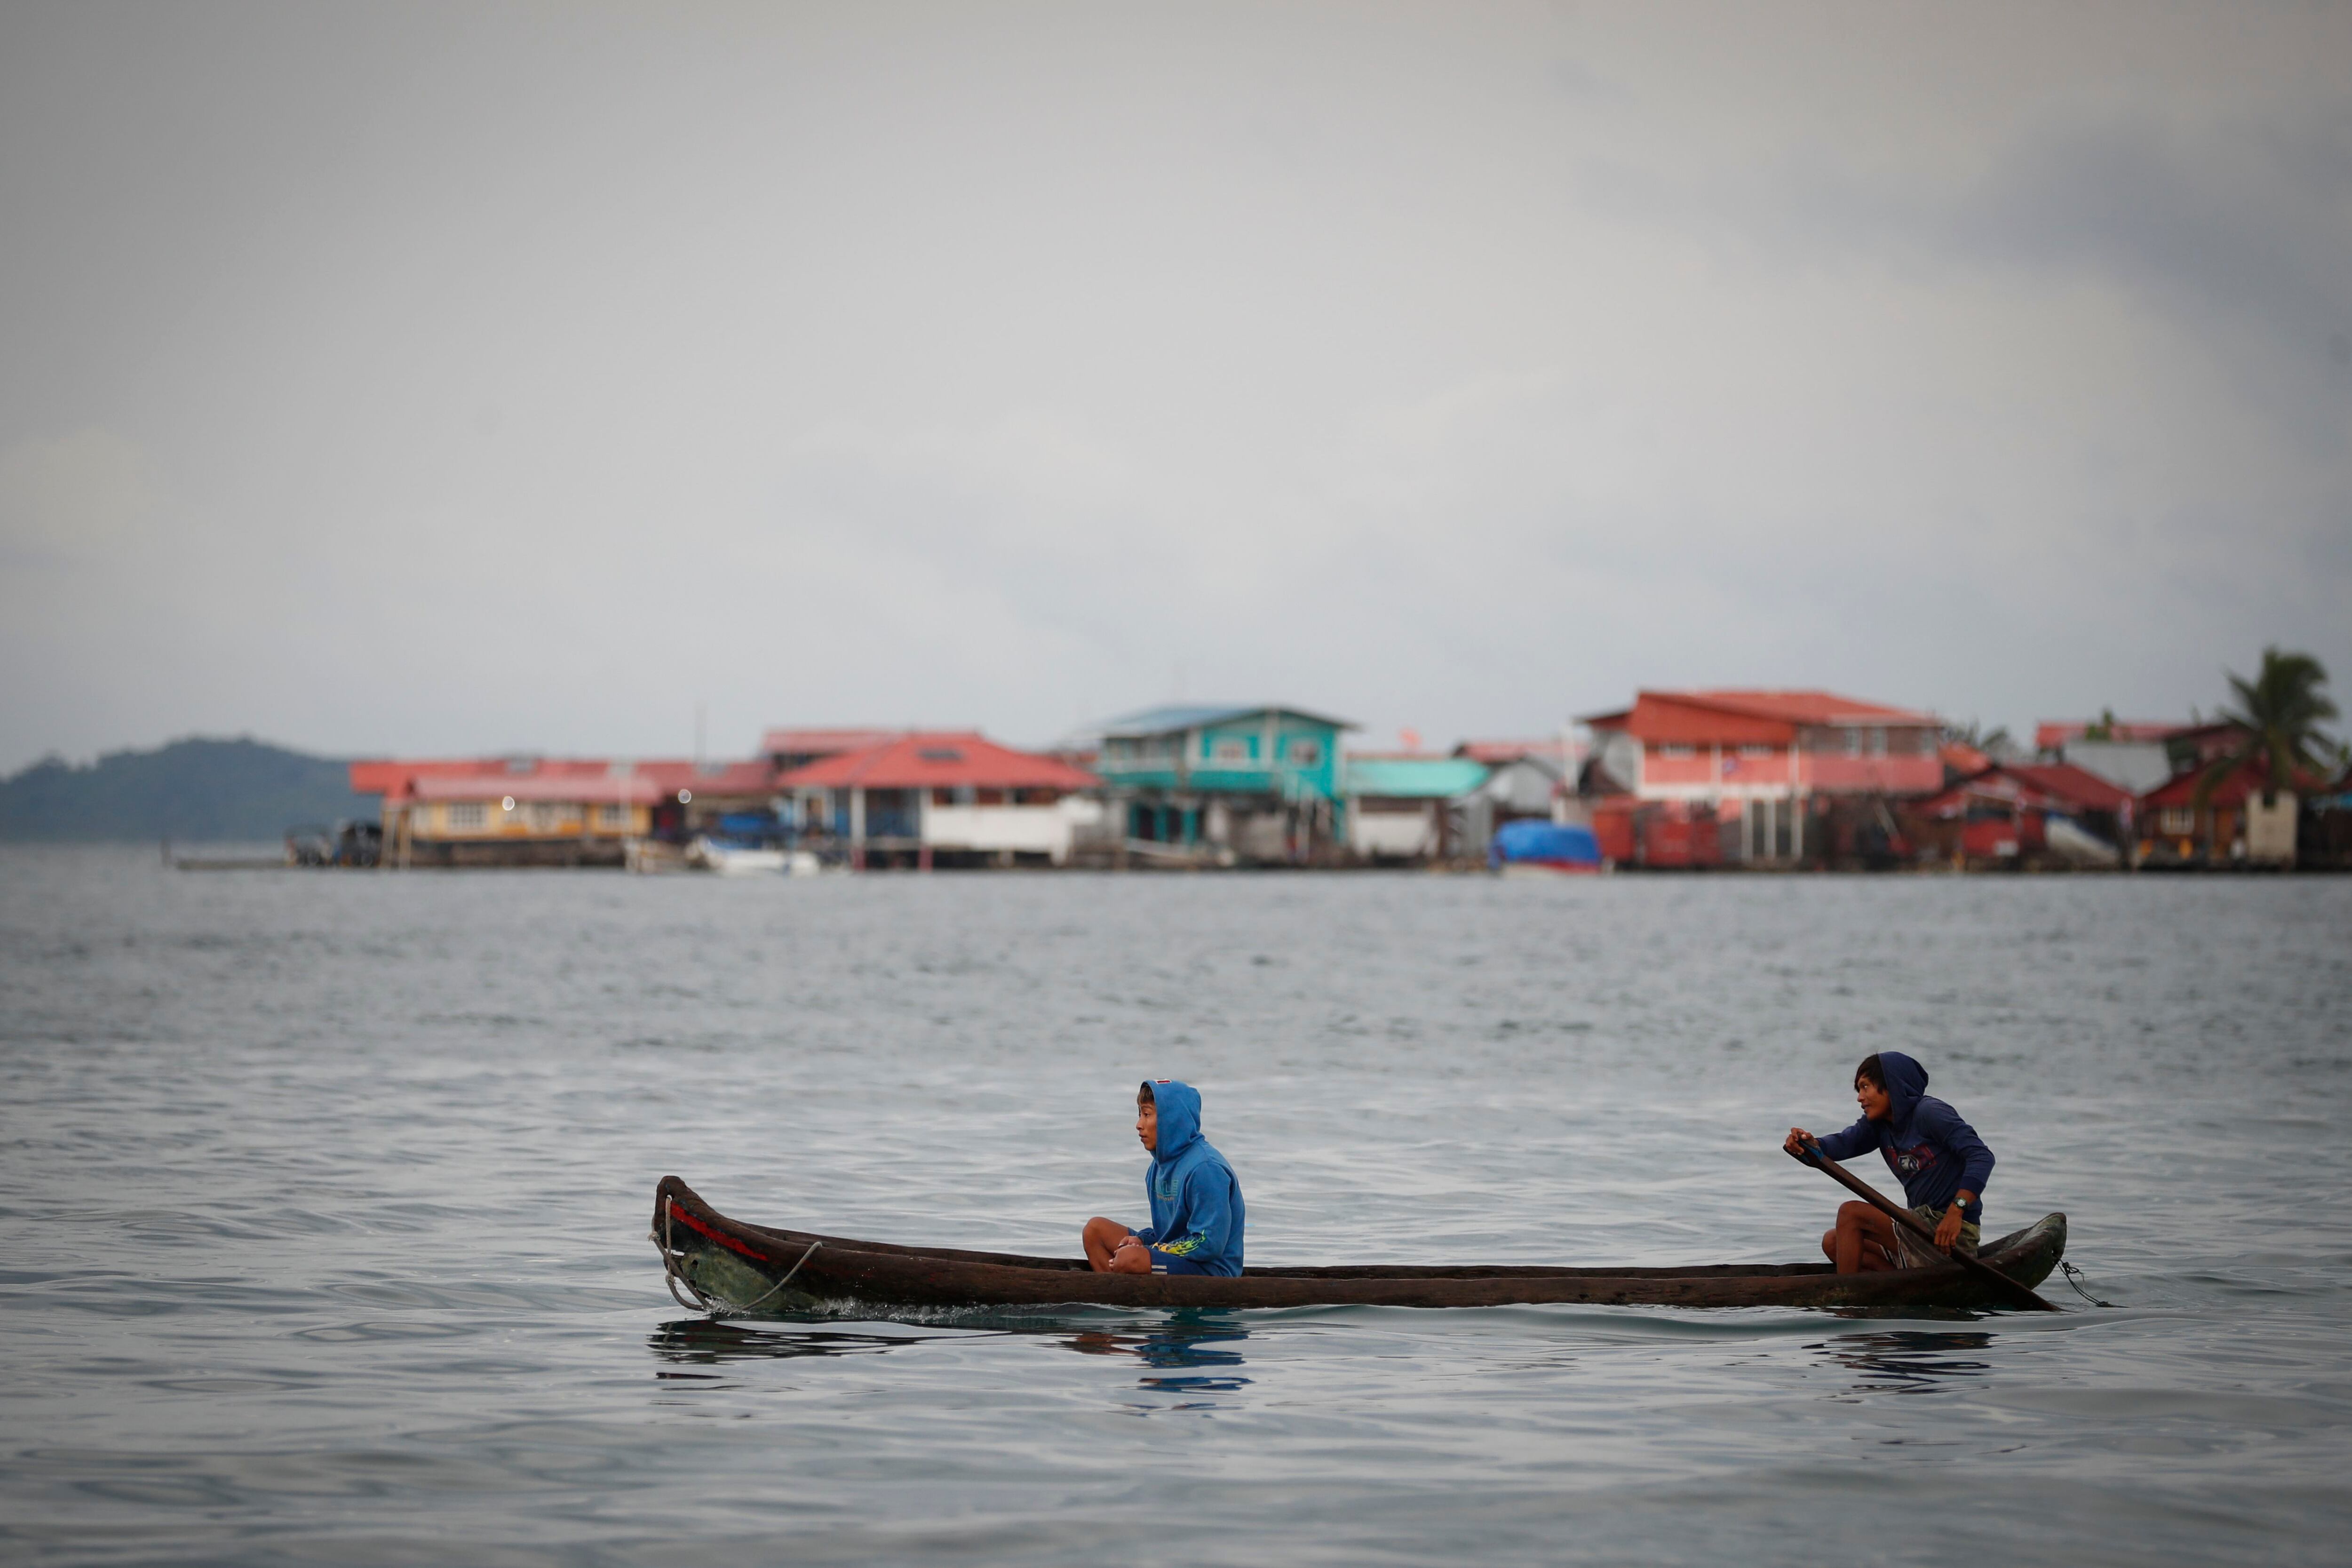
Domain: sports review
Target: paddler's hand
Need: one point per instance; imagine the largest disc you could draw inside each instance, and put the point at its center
(1799, 1142)
(1133, 1257)
(1947, 1229)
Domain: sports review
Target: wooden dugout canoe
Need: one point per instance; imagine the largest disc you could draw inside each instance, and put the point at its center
(725, 1264)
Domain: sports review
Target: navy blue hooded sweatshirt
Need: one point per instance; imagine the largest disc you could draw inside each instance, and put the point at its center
(1926, 1143)
(1196, 1201)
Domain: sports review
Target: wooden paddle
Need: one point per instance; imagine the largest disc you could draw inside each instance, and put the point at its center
(2009, 1290)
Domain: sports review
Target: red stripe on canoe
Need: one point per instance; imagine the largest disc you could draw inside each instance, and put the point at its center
(724, 1240)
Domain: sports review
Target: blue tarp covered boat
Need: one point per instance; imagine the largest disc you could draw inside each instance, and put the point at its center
(1546, 845)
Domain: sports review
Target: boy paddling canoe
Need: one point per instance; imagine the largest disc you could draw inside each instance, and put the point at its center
(1197, 1217)
(1941, 1161)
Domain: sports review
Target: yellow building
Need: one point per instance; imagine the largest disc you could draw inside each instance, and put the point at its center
(551, 814)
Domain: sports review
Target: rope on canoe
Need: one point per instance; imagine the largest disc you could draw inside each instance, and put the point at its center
(673, 1271)
(788, 1278)
(2074, 1277)
(674, 1275)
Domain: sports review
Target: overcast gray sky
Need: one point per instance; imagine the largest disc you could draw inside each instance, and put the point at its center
(448, 378)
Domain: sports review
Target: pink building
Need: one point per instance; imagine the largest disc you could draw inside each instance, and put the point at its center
(1754, 760)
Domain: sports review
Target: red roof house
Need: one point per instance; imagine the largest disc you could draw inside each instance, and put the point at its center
(2231, 823)
(1741, 744)
(602, 789)
(396, 778)
(938, 760)
(955, 791)
(2004, 812)
(748, 781)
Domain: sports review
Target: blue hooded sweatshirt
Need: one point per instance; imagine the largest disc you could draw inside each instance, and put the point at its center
(1196, 1200)
(1927, 1145)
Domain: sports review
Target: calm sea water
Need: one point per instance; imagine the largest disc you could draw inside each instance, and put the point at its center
(323, 1202)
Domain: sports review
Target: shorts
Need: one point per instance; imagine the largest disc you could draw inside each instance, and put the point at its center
(1911, 1252)
(1169, 1263)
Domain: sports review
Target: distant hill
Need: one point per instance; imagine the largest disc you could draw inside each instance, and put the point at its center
(189, 790)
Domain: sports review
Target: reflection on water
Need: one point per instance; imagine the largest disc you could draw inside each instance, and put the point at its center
(1187, 1355)
(1908, 1361)
(1180, 1347)
(708, 1341)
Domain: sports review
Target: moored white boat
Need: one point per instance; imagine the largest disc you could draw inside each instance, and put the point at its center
(737, 860)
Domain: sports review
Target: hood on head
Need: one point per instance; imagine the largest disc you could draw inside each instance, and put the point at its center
(1180, 1115)
(1906, 1080)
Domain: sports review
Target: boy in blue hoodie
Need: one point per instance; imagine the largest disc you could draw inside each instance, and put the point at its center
(1196, 1201)
(1938, 1157)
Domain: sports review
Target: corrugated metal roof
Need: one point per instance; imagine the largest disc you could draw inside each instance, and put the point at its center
(396, 777)
(757, 776)
(2230, 790)
(1804, 707)
(1412, 778)
(1187, 716)
(1494, 753)
(633, 789)
(1740, 715)
(2041, 786)
(938, 760)
(2070, 783)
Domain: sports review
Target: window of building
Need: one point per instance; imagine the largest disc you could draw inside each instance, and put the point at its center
(613, 817)
(1230, 748)
(1879, 743)
(547, 816)
(1677, 751)
(1853, 742)
(2177, 820)
(468, 813)
(1755, 751)
(1305, 753)
(1035, 796)
(989, 797)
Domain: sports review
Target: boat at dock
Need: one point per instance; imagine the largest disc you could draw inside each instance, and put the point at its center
(1536, 849)
(708, 854)
(717, 1264)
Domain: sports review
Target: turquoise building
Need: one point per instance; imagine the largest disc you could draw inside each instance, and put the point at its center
(1412, 807)
(1248, 782)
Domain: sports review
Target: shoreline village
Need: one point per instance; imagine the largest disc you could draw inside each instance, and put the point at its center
(1706, 780)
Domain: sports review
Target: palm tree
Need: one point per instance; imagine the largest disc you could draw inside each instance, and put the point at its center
(2280, 710)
